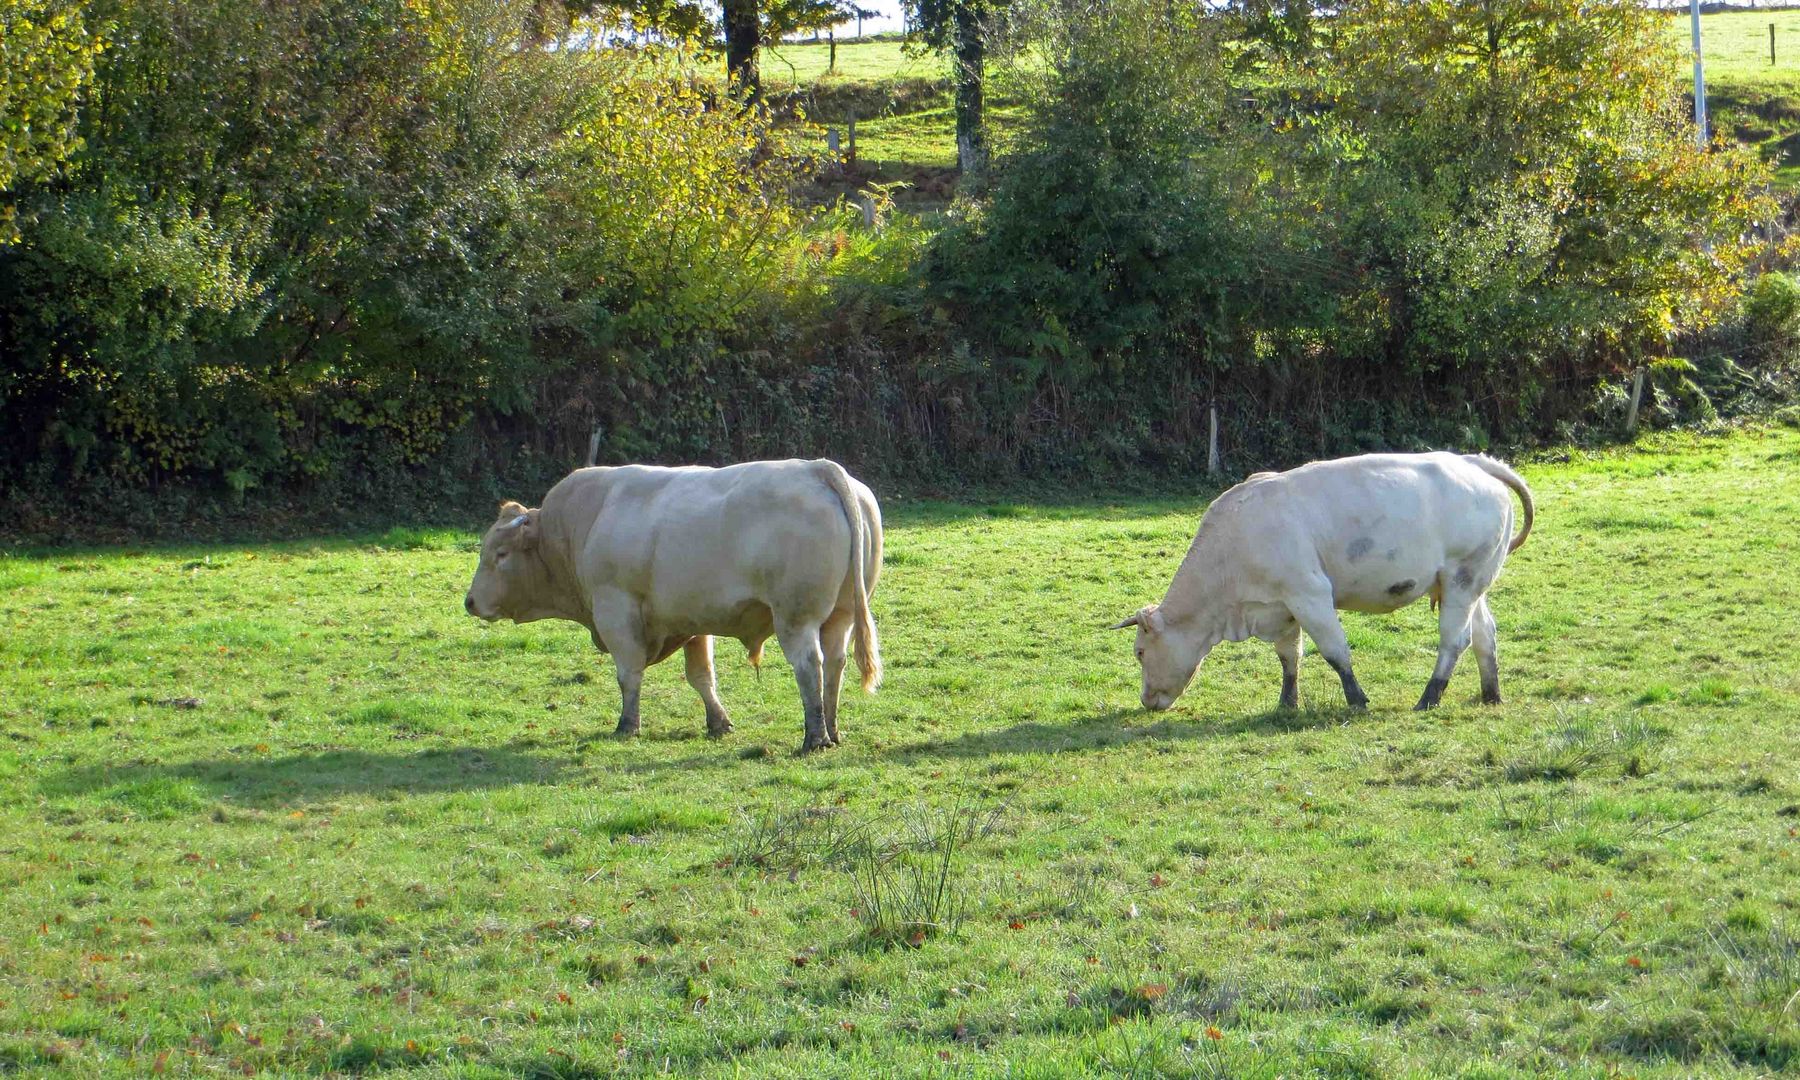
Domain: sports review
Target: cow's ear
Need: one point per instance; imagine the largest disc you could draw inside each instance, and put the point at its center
(1151, 619)
(510, 510)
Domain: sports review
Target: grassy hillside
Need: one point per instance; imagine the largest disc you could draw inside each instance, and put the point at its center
(1750, 99)
(285, 807)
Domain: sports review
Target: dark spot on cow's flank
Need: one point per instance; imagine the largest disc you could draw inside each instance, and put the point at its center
(1360, 547)
(1463, 578)
(1401, 588)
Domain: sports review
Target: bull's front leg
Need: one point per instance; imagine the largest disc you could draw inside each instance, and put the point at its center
(1288, 647)
(698, 653)
(616, 625)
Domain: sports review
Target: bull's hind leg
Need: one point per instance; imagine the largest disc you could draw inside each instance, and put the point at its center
(1318, 617)
(1487, 652)
(698, 653)
(800, 644)
(834, 637)
(1288, 646)
(1453, 637)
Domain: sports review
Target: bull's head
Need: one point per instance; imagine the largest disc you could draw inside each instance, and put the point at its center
(510, 581)
(1167, 652)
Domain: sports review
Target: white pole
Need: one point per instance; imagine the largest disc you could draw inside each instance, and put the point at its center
(1699, 79)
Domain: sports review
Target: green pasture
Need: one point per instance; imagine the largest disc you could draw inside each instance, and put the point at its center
(800, 63)
(284, 807)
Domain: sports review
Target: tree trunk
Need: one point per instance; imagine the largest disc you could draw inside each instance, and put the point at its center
(742, 29)
(971, 53)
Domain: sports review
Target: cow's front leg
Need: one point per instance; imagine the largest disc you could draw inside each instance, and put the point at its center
(1288, 647)
(698, 653)
(1318, 618)
(800, 644)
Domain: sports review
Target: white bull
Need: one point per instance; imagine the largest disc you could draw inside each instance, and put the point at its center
(653, 559)
(1284, 552)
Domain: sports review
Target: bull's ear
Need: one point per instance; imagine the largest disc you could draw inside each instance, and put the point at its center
(1129, 620)
(510, 510)
(1152, 619)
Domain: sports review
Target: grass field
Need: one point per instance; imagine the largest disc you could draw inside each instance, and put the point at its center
(284, 807)
(797, 63)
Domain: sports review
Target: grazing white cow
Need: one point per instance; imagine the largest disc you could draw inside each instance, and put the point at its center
(652, 560)
(1284, 552)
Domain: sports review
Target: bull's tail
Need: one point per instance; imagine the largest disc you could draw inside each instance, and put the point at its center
(865, 545)
(1499, 471)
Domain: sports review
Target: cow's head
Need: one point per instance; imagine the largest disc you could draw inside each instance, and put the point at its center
(1168, 653)
(510, 581)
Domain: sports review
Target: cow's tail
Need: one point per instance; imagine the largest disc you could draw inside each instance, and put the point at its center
(1499, 471)
(865, 544)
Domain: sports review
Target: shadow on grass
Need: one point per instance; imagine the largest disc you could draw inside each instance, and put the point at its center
(1101, 732)
(1116, 728)
(283, 780)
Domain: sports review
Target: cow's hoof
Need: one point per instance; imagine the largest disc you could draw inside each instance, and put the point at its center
(1490, 699)
(812, 743)
(625, 731)
(718, 730)
(1287, 704)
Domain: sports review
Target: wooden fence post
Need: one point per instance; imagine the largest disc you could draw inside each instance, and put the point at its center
(1771, 44)
(593, 455)
(1637, 398)
(852, 125)
(1212, 440)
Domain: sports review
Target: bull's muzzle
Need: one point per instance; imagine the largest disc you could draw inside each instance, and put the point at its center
(469, 603)
(1158, 702)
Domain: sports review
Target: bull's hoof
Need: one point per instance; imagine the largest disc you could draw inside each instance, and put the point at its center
(1434, 691)
(1288, 703)
(815, 742)
(1490, 697)
(626, 730)
(718, 730)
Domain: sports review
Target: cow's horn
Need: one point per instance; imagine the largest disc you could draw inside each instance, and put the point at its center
(520, 520)
(1130, 620)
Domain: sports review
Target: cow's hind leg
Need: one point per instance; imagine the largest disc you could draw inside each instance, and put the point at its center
(834, 638)
(1487, 652)
(1453, 637)
(1288, 646)
(800, 644)
(698, 653)
(1319, 619)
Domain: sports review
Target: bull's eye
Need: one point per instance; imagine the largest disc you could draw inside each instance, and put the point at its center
(500, 558)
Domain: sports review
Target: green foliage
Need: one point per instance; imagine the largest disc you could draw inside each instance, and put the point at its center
(1496, 205)
(47, 50)
(303, 240)
(1772, 308)
(1105, 246)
